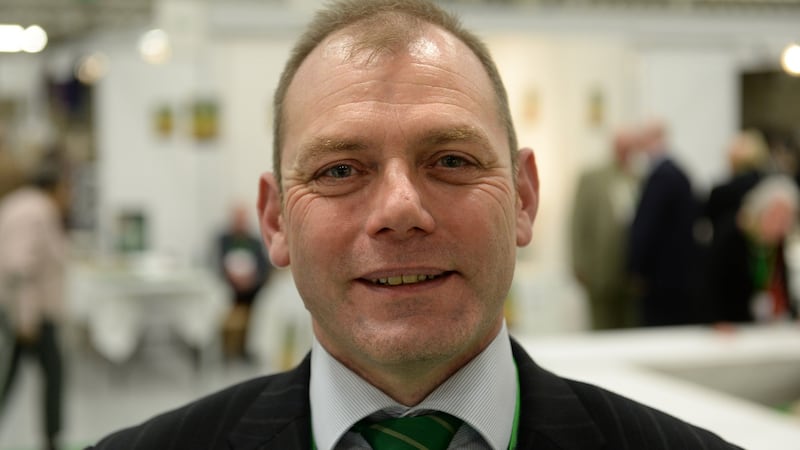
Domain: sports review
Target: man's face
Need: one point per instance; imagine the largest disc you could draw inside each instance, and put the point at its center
(400, 217)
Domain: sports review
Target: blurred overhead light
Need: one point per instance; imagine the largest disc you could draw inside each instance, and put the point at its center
(790, 59)
(10, 38)
(15, 38)
(154, 47)
(34, 39)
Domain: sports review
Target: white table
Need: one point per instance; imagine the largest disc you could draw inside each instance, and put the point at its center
(121, 303)
(673, 369)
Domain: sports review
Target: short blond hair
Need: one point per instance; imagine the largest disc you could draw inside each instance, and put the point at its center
(751, 153)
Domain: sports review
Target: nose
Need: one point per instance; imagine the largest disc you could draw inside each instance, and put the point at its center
(397, 209)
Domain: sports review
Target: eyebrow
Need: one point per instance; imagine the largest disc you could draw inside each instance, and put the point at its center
(321, 146)
(435, 137)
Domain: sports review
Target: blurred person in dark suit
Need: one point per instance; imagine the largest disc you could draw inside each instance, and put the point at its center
(748, 157)
(32, 262)
(245, 269)
(747, 276)
(398, 199)
(748, 161)
(662, 248)
(601, 217)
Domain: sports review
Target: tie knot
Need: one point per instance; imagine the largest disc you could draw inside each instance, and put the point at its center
(426, 432)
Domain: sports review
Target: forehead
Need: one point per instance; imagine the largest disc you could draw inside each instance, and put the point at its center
(353, 51)
(348, 71)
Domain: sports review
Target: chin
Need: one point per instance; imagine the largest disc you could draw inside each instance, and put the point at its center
(417, 344)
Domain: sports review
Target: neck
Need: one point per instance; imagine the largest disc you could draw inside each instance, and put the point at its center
(409, 382)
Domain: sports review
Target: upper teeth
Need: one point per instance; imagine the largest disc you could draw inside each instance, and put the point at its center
(403, 279)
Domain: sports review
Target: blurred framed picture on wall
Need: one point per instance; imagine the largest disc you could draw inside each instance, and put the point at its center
(205, 119)
(163, 121)
(131, 231)
(597, 106)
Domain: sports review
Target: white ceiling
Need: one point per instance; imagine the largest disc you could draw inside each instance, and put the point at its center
(64, 19)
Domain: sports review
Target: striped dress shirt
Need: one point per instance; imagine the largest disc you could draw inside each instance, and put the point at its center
(482, 393)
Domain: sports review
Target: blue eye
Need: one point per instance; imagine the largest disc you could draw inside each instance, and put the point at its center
(339, 171)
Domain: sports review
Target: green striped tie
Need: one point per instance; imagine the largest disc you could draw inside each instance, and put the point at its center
(428, 432)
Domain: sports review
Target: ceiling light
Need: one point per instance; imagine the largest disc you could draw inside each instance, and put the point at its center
(14, 38)
(10, 38)
(154, 47)
(790, 59)
(34, 39)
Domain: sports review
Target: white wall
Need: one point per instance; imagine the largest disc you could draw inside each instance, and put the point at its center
(172, 179)
(697, 91)
(249, 71)
(563, 73)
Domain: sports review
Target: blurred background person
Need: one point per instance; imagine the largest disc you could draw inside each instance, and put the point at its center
(784, 153)
(32, 262)
(10, 173)
(747, 276)
(748, 158)
(662, 253)
(601, 216)
(748, 161)
(245, 269)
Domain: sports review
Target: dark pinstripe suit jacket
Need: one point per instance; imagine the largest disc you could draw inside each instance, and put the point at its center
(272, 412)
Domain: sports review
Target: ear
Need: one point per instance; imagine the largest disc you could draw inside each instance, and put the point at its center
(527, 195)
(270, 219)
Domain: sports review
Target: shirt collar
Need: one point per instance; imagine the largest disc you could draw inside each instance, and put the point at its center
(482, 393)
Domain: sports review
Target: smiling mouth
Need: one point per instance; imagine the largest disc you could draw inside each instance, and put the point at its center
(404, 279)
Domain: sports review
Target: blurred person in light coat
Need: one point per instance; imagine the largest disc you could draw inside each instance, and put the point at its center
(32, 259)
(602, 213)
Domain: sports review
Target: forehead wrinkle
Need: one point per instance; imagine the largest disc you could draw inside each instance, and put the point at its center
(474, 87)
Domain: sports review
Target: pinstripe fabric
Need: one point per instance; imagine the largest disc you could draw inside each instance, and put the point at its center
(266, 413)
(273, 413)
(564, 414)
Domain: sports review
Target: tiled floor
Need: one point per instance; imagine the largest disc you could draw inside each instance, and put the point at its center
(100, 398)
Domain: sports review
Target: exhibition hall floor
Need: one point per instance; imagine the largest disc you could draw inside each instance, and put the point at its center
(100, 397)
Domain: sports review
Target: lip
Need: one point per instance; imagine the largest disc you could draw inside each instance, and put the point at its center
(439, 276)
(387, 273)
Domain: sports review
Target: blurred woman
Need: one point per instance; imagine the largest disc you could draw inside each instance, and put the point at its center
(748, 278)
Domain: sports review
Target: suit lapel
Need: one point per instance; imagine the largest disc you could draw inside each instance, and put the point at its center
(552, 416)
(279, 418)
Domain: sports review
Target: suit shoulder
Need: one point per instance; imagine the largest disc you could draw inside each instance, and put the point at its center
(627, 423)
(201, 424)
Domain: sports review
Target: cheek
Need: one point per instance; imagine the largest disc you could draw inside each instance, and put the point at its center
(319, 233)
(303, 230)
(485, 225)
(495, 206)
